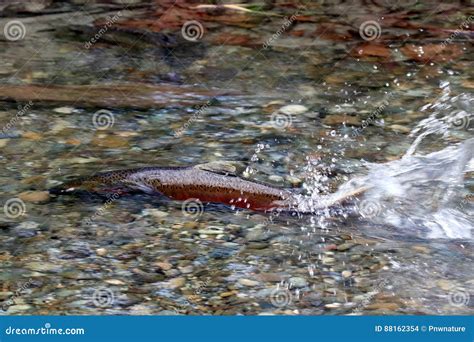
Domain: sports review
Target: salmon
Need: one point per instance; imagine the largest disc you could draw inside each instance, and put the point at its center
(184, 183)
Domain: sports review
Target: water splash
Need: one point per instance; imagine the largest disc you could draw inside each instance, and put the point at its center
(420, 194)
(449, 114)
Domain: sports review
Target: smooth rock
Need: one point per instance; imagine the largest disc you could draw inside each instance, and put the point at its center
(298, 282)
(337, 119)
(42, 266)
(115, 282)
(293, 109)
(175, 283)
(101, 251)
(64, 110)
(248, 282)
(400, 128)
(345, 246)
(346, 274)
(34, 196)
(259, 234)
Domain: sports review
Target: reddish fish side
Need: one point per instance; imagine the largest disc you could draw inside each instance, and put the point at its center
(183, 184)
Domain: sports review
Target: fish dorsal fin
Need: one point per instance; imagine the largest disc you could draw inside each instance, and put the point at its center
(220, 167)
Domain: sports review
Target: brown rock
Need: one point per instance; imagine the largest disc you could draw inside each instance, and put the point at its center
(432, 52)
(34, 196)
(339, 119)
(166, 266)
(176, 283)
(110, 141)
(269, 277)
(370, 49)
(31, 135)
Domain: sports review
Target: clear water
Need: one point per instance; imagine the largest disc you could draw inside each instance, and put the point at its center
(403, 246)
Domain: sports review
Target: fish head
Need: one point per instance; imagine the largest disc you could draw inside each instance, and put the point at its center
(74, 186)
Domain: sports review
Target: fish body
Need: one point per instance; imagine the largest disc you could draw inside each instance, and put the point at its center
(184, 183)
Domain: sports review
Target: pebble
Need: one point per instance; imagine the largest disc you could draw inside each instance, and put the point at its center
(34, 196)
(293, 109)
(295, 181)
(190, 224)
(259, 234)
(298, 282)
(445, 285)
(42, 266)
(164, 265)
(155, 213)
(345, 246)
(276, 179)
(421, 249)
(346, 274)
(115, 282)
(248, 282)
(400, 128)
(270, 277)
(337, 119)
(186, 269)
(101, 251)
(64, 110)
(18, 308)
(109, 141)
(167, 313)
(211, 231)
(31, 135)
(27, 229)
(175, 283)
(77, 249)
(328, 261)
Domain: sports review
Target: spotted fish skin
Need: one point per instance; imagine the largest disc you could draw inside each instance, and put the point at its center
(183, 183)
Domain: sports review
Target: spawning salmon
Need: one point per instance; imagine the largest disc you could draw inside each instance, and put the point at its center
(184, 183)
